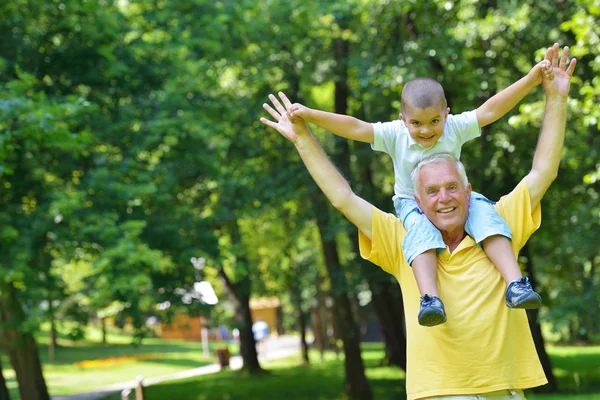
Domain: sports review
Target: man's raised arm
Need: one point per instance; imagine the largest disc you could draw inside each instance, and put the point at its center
(546, 158)
(324, 173)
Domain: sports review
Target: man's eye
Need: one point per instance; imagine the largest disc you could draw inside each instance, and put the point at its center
(453, 187)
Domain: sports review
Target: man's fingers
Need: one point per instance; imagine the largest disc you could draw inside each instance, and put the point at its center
(564, 58)
(555, 55)
(286, 102)
(273, 113)
(548, 56)
(268, 123)
(571, 66)
(277, 105)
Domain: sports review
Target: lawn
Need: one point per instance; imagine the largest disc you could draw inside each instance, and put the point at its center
(576, 368)
(86, 365)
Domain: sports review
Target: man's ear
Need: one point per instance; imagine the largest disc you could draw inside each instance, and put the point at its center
(468, 190)
(418, 201)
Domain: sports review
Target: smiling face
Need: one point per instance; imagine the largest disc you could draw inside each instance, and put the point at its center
(444, 197)
(425, 125)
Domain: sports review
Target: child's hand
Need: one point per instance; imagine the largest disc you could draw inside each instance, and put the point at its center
(539, 70)
(297, 110)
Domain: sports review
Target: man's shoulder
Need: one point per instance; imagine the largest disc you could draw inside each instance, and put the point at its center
(515, 209)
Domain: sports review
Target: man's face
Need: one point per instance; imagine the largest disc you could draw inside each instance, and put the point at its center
(443, 196)
(425, 125)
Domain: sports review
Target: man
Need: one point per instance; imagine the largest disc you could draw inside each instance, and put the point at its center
(486, 354)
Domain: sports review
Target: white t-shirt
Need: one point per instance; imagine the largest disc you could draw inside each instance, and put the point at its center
(393, 138)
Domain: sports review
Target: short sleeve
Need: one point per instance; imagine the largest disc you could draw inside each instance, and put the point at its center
(385, 135)
(464, 126)
(384, 249)
(516, 210)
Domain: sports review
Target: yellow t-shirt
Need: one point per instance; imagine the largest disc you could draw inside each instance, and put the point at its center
(484, 346)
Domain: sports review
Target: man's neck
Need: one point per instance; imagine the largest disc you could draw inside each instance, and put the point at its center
(453, 239)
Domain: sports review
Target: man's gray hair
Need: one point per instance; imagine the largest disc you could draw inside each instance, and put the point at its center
(435, 159)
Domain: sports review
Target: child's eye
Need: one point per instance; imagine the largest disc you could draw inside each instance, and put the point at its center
(435, 121)
(416, 123)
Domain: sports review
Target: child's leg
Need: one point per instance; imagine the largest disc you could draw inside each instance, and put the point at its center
(419, 247)
(494, 235)
(498, 249)
(424, 267)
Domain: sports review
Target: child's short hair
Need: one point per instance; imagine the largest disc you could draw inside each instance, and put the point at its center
(423, 93)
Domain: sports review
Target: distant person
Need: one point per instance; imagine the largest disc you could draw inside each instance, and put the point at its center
(425, 127)
(261, 332)
(485, 351)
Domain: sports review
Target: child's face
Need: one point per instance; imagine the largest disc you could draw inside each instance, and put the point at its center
(425, 125)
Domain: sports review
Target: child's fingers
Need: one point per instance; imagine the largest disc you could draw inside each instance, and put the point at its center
(571, 66)
(273, 113)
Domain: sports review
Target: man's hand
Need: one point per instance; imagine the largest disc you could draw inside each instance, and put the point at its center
(557, 80)
(290, 127)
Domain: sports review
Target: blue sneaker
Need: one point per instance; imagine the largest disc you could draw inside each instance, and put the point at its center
(432, 311)
(519, 294)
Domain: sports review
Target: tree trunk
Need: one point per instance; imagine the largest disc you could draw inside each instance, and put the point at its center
(298, 311)
(301, 320)
(103, 325)
(390, 313)
(536, 331)
(3, 389)
(356, 385)
(52, 345)
(21, 347)
(239, 294)
(318, 322)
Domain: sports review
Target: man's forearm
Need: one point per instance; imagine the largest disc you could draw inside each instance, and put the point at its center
(341, 125)
(323, 172)
(334, 186)
(546, 159)
(502, 102)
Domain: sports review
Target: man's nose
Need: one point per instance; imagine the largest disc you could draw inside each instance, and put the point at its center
(444, 195)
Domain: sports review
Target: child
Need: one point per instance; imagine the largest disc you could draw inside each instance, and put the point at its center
(425, 127)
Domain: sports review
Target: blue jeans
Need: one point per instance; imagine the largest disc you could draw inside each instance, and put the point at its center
(421, 235)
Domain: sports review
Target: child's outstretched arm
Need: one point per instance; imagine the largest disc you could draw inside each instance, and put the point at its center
(502, 102)
(338, 124)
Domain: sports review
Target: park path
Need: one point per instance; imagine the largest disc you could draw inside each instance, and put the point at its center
(279, 347)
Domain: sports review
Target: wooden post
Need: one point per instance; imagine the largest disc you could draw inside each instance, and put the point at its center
(139, 389)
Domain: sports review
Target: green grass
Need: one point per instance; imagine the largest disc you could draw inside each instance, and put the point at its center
(576, 368)
(324, 380)
(160, 357)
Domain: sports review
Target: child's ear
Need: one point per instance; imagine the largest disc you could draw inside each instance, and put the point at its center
(447, 112)
(401, 117)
